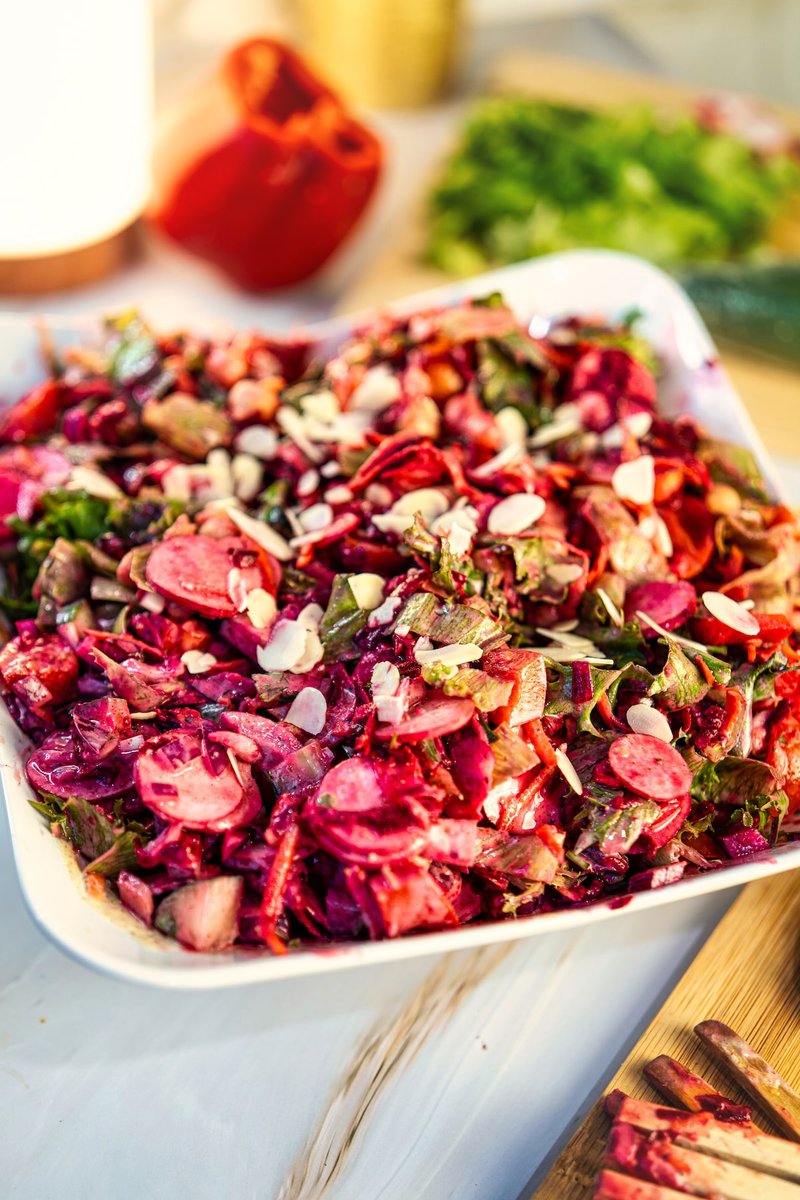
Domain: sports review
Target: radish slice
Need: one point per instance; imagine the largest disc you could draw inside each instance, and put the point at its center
(433, 718)
(649, 767)
(174, 781)
(193, 571)
(732, 614)
(353, 817)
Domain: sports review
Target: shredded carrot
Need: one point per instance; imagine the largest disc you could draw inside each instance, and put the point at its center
(561, 474)
(607, 713)
(705, 670)
(95, 884)
(599, 567)
(735, 705)
(540, 741)
(788, 649)
(272, 900)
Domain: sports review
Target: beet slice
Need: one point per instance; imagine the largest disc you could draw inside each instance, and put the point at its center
(205, 915)
(668, 604)
(432, 718)
(193, 570)
(246, 811)
(649, 766)
(174, 781)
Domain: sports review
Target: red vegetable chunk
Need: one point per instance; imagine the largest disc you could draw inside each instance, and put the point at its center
(408, 897)
(363, 816)
(650, 767)
(58, 767)
(526, 669)
(46, 661)
(668, 604)
(137, 896)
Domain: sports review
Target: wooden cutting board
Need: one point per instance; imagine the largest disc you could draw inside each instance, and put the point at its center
(748, 976)
(770, 391)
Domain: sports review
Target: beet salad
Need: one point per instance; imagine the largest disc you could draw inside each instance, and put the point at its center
(452, 625)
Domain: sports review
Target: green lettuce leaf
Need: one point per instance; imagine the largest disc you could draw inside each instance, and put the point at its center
(121, 856)
(614, 830)
(341, 621)
(429, 616)
(680, 682)
(533, 559)
(89, 830)
(523, 857)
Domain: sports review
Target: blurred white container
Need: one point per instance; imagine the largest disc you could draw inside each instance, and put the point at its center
(76, 99)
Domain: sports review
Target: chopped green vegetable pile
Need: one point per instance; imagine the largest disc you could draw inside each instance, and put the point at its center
(530, 178)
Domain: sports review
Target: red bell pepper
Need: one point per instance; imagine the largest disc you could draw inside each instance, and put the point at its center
(280, 182)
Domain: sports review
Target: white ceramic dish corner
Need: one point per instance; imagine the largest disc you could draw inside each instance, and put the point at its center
(100, 933)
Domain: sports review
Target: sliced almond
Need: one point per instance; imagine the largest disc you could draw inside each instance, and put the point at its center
(86, 479)
(385, 612)
(385, 679)
(262, 534)
(643, 718)
(611, 608)
(248, 476)
(285, 648)
(504, 458)
(318, 516)
(261, 608)
(428, 502)
(731, 613)
(308, 483)
(454, 655)
(258, 440)
(513, 427)
(516, 513)
(566, 768)
(197, 663)
(367, 589)
(308, 710)
(635, 481)
(378, 389)
(338, 494)
(564, 573)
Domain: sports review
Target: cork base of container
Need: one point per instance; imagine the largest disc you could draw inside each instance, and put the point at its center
(70, 268)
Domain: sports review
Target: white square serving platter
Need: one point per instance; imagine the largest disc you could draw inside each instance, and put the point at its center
(101, 933)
